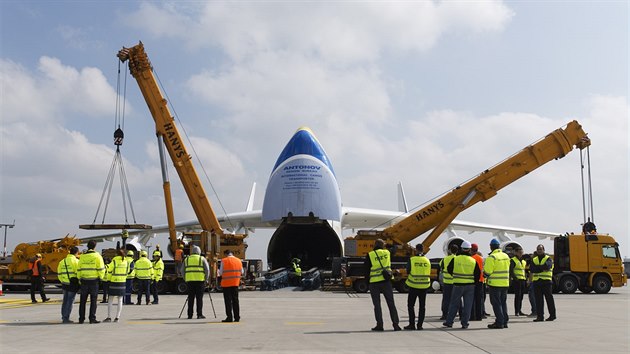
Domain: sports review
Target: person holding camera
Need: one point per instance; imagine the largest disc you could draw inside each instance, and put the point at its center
(379, 272)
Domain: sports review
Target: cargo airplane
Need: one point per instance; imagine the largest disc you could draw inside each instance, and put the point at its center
(303, 204)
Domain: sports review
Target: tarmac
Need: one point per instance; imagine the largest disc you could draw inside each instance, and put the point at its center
(288, 321)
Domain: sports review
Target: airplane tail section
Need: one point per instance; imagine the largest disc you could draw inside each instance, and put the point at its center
(402, 200)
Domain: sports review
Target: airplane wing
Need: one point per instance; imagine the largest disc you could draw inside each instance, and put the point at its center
(501, 232)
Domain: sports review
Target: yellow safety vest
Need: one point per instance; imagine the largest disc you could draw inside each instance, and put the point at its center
(158, 269)
(67, 269)
(497, 269)
(131, 272)
(418, 277)
(143, 269)
(91, 266)
(545, 275)
(118, 269)
(193, 268)
(519, 268)
(464, 269)
(446, 277)
(376, 271)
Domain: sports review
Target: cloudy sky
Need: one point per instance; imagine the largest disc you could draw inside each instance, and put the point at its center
(429, 93)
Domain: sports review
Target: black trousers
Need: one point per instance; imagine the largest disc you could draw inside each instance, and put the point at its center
(154, 291)
(385, 288)
(37, 284)
(232, 308)
(421, 295)
(520, 288)
(195, 291)
(543, 288)
(477, 309)
(105, 286)
(144, 286)
(88, 287)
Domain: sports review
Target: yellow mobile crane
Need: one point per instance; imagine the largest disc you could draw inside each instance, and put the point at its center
(439, 213)
(212, 239)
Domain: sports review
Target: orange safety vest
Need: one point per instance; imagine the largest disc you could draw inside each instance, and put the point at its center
(34, 268)
(479, 261)
(232, 268)
(178, 255)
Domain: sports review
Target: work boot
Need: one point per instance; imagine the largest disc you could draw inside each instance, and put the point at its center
(227, 320)
(94, 321)
(397, 328)
(551, 318)
(138, 303)
(116, 319)
(410, 327)
(34, 301)
(46, 299)
(495, 326)
(67, 321)
(201, 317)
(539, 319)
(378, 329)
(108, 319)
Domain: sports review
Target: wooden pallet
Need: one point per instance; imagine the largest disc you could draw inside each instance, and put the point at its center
(115, 226)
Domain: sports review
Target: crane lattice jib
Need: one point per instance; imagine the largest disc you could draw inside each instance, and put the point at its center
(439, 213)
(141, 70)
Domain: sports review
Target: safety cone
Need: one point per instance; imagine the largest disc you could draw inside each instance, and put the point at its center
(1, 293)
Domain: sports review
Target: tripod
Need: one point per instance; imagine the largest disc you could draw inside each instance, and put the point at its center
(211, 303)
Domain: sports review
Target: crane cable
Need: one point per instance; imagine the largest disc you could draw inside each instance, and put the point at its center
(117, 163)
(587, 196)
(192, 147)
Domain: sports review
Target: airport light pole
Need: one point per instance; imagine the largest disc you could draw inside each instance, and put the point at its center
(6, 226)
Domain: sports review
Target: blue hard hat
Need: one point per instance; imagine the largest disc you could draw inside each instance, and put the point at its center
(495, 242)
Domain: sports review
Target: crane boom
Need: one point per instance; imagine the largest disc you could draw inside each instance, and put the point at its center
(440, 212)
(141, 70)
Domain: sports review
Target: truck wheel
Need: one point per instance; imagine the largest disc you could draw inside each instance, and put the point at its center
(360, 286)
(181, 287)
(585, 289)
(568, 284)
(601, 284)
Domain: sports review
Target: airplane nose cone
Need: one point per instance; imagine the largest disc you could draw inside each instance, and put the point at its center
(304, 142)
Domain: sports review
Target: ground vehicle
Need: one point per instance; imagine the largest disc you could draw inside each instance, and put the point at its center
(589, 262)
(437, 214)
(212, 239)
(14, 271)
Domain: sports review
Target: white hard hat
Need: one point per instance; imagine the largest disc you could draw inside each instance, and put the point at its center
(466, 245)
(436, 285)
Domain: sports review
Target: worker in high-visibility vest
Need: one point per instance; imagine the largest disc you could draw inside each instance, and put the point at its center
(497, 272)
(447, 279)
(144, 273)
(158, 272)
(196, 272)
(67, 275)
(477, 313)
(518, 279)
(178, 257)
(418, 281)
(117, 272)
(377, 267)
(542, 276)
(37, 278)
(131, 274)
(231, 271)
(465, 272)
(91, 271)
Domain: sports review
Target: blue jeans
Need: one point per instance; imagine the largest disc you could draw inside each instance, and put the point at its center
(532, 297)
(128, 289)
(467, 292)
(498, 299)
(447, 290)
(66, 305)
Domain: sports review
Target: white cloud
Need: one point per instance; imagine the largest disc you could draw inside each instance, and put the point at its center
(54, 91)
(339, 33)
